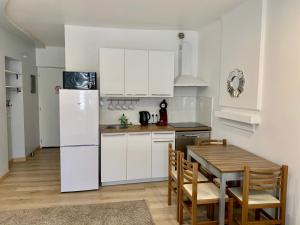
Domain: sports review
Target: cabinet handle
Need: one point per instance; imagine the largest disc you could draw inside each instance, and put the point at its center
(140, 133)
(162, 141)
(163, 133)
(113, 94)
(160, 94)
(110, 135)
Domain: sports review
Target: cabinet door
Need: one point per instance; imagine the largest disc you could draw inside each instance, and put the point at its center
(111, 63)
(136, 73)
(138, 156)
(161, 73)
(113, 157)
(160, 157)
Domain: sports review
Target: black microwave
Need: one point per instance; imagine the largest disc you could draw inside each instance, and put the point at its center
(80, 80)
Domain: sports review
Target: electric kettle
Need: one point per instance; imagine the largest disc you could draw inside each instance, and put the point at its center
(144, 117)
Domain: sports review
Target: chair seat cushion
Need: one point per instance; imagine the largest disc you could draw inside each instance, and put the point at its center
(255, 197)
(201, 177)
(205, 192)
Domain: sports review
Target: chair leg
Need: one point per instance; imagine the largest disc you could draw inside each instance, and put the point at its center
(211, 211)
(169, 191)
(230, 211)
(257, 214)
(180, 213)
(194, 213)
(244, 215)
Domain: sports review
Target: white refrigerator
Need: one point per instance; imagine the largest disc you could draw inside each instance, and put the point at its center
(79, 139)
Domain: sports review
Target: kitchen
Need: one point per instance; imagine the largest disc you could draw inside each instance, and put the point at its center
(129, 98)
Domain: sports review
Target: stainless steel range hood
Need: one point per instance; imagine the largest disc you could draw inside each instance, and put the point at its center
(184, 56)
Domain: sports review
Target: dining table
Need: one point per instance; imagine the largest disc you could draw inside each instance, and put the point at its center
(226, 162)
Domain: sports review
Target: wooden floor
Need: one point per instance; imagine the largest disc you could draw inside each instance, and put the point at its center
(36, 184)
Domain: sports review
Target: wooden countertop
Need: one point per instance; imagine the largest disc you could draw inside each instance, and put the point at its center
(149, 128)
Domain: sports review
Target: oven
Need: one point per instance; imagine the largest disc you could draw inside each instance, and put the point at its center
(185, 138)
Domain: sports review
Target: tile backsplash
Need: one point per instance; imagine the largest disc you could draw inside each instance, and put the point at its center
(181, 108)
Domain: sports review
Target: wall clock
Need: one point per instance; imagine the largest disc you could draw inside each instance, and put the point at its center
(235, 83)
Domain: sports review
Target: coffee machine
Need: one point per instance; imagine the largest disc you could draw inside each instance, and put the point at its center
(163, 114)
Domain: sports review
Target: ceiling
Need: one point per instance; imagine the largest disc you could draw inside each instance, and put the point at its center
(44, 19)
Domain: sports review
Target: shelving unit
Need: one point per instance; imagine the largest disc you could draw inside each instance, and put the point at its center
(14, 107)
(9, 72)
(18, 89)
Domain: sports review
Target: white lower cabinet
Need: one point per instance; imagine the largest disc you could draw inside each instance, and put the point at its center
(113, 157)
(160, 142)
(130, 157)
(139, 156)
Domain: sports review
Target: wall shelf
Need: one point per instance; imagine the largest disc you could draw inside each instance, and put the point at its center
(239, 117)
(13, 73)
(18, 89)
(239, 120)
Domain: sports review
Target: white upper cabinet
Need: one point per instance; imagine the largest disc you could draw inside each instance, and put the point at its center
(161, 73)
(111, 63)
(136, 73)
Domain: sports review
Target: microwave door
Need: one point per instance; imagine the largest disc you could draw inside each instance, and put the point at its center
(77, 80)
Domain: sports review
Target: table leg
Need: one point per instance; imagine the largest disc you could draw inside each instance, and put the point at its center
(222, 200)
(189, 156)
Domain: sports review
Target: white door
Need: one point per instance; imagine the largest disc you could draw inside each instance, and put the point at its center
(113, 157)
(79, 117)
(136, 73)
(160, 157)
(49, 79)
(138, 156)
(79, 168)
(111, 63)
(161, 73)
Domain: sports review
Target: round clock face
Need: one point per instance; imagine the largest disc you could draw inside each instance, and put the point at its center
(235, 83)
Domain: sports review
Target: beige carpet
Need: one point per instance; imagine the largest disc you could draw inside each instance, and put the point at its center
(120, 213)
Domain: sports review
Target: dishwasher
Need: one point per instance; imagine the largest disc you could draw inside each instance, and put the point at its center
(185, 138)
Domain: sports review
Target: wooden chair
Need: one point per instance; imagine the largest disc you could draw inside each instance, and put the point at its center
(212, 142)
(256, 194)
(194, 194)
(174, 173)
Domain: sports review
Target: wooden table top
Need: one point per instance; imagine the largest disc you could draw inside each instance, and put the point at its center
(231, 158)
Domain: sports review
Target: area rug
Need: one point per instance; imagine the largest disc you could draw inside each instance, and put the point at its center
(120, 213)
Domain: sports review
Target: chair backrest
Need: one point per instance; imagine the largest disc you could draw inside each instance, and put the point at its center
(265, 180)
(213, 142)
(173, 158)
(189, 173)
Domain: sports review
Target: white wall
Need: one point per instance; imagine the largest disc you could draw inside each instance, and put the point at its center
(82, 44)
(276, 137)
(15, 47)
(185, 106)
(50, 57)
(82, 48)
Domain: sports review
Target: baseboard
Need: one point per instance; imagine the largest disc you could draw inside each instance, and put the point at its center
(16, 160)
(23, 159)
(4, 176)
(33, 152)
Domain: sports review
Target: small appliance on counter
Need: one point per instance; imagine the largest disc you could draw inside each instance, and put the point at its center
(163, 114)
(144, 118)
(80, 80)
